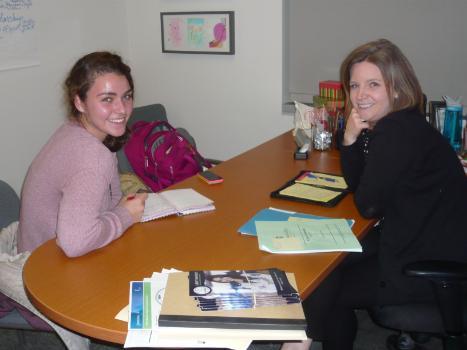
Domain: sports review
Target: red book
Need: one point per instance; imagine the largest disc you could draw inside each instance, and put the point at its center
(331, 89)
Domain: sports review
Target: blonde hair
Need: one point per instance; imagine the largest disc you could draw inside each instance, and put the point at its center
(401, 82)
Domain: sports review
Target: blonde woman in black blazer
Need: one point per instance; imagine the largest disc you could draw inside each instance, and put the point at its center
(402, 172)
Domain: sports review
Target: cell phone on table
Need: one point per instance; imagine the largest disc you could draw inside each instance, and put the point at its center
(210, 177)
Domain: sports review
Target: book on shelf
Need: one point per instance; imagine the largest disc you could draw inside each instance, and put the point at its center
(296, 237)
(179, 309)
(274, 214)
(175, 202)
(313, 187)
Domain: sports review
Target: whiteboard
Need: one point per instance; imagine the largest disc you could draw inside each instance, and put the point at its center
(18, 37)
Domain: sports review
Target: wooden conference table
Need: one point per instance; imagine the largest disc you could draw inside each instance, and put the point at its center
(84, 294)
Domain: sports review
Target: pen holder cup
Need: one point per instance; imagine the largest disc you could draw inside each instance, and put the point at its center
(322, 139)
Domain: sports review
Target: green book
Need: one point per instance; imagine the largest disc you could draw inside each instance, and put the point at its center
(296, 237)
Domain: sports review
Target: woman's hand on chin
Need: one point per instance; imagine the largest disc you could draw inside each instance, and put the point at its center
(355, 125)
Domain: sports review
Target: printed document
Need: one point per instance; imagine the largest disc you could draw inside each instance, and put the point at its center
(295, 237)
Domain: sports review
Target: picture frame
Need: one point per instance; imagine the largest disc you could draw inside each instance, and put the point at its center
(211, 32)
(436, 110)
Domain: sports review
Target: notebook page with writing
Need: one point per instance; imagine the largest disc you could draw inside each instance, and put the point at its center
(188, 201)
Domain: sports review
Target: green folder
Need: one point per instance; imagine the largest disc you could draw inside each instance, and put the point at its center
(295, 237)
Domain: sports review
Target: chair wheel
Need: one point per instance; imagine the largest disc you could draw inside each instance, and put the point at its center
(401, 341)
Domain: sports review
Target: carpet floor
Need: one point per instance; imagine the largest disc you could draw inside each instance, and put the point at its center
(369, 337)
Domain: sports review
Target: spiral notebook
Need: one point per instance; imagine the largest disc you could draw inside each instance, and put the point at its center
(175, 202)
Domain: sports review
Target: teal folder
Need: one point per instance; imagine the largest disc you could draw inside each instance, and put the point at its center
(273, 214)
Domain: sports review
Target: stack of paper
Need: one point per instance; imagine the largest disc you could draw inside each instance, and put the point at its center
(283, 232)
(163, 314)
(274, 214)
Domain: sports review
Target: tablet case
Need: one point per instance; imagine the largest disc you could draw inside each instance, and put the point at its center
(330, 203)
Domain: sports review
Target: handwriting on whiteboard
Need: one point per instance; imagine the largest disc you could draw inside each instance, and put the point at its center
(18, 42)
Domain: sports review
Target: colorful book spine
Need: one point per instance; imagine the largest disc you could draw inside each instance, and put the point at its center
(331, 89)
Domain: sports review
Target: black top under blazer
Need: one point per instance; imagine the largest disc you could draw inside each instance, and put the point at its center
(411, 177)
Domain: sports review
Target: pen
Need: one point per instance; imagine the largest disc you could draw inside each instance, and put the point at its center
(340, 122)
(327, 179)
(313, 176)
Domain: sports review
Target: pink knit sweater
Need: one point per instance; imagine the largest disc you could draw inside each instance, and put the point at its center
(71, 192)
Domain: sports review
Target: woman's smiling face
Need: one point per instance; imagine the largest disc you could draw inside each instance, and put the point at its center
(368, 92)
(107, 107)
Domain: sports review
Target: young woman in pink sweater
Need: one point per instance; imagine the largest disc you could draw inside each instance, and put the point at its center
(72, 189)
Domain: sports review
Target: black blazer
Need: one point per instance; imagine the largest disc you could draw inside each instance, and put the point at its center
(411, 177)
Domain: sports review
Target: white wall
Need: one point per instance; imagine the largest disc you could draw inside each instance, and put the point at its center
(431, 33)
(229, 103)
(31, 98)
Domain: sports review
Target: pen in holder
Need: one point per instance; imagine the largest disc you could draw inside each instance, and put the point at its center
(339, 130)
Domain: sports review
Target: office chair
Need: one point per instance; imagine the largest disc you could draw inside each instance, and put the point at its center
(14, 315)
(445, 318)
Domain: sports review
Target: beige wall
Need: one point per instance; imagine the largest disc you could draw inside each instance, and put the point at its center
(229, 103)
(31, 98)
(431, 33)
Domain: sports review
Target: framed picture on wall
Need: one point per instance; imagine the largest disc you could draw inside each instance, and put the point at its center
(436, 111)
(198, 32)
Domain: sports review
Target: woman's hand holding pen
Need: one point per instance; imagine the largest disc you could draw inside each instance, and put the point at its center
(355, 125)
(134, 203)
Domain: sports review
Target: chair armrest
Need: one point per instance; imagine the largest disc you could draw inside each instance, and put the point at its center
(192, 141)
(184, 132)
(214, 161)
(446, 278)
(437, 269)
(9, 205)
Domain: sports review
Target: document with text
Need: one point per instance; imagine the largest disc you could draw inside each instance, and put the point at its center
(296, 237)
